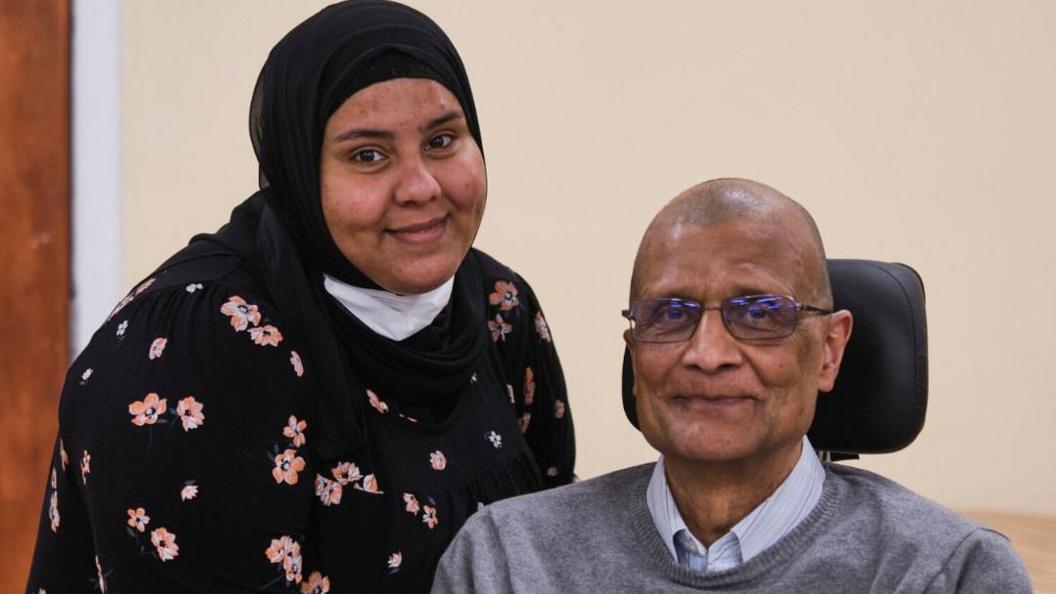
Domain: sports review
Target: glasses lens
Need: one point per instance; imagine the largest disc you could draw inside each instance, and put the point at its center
(665, 320)
(760, 316)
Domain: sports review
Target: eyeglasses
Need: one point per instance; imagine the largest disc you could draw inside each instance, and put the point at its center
(750, 317)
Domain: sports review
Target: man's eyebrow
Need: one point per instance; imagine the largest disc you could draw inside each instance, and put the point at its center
(357, 133)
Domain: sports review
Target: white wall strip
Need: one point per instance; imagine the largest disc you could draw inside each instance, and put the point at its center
(96, 132)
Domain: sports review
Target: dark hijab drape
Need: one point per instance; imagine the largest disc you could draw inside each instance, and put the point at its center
(282, 231)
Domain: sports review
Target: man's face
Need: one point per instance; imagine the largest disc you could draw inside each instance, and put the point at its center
(713, 398)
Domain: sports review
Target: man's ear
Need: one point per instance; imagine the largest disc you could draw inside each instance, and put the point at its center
(628, 339)
(833, 345)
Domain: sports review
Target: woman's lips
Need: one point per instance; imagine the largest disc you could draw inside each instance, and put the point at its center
(421, 233)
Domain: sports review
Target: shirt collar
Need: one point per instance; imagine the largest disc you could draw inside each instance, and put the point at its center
(393, 316)
(772, 519)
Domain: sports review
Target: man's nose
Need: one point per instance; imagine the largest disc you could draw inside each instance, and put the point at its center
(417, 182)
(712, 348)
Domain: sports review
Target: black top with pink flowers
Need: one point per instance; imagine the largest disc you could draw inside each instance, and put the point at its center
(184, 461)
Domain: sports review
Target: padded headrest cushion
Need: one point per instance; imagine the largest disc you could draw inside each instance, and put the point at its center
(881, 394)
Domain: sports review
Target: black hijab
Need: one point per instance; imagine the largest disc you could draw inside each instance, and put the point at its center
(317, 66)
(282, 233)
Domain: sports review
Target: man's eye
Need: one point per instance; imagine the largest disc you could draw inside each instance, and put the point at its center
(441, 141)
(367, 156)
(672, 313)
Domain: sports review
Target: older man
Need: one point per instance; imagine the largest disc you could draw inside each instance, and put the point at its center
(732, 338)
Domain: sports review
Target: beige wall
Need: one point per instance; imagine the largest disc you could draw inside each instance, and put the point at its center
(915, 132)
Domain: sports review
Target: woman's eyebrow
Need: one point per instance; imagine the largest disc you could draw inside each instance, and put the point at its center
(356, 133)
(454, 114)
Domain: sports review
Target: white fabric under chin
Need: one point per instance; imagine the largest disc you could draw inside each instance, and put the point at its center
(393, 316)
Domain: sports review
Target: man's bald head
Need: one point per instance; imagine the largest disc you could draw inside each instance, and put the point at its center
(744, 201)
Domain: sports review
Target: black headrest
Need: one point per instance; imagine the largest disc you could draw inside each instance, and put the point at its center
(881, 393)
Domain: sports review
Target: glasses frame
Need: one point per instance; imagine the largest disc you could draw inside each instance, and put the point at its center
(800, 308)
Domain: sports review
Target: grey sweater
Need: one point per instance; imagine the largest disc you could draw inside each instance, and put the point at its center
(867, 534)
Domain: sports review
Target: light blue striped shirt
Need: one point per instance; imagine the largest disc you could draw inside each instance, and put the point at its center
(765, 525)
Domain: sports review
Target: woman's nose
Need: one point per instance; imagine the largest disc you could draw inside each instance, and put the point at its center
(417, 183)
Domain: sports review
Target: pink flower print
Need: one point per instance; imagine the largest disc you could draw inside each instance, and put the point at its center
(86, 466)
(394, 561)
(559, 409)
(505, 295)
(165, 543)
(266, 335)
(438, 460)
(157, 348)
(529, 386)
(346, 473)
(188, 492)
(190, 413)
(552, 471)
(429, 516)
(376, 402)
(146, 411)
(329, 492)
(138, 519)
(370, 485)
(295, 360)
(295, 431)
(286, 551)
(54, 479)
(499, 328)
(287, 465)
(63, 456)
(541, 327)
(242, 314)
(143, 286)
(53, 511)
(317, 584)
(121, 328)
(495, 439)
(193, 287)
(412, 503)
(525, 419)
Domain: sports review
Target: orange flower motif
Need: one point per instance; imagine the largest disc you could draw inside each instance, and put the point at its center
(559, 409)
(529, 386)
(438, 460)
(146, 411)
(329, 492)
(369, 484)
(292, 566)
(429, 516)
(499, 328)
(86, 466)
(165, 543)
(190, 413)
(287, 465)
(157, 348)
(54, 479)
(541, 327)
(138, 518)
(266, 335)
(317, 584)
(286, 551)
(376, 402)
(242, 314)
(295, 431)
(505, 295)
(298, 366)
(346, 472)
(53, 511)
(412, 503)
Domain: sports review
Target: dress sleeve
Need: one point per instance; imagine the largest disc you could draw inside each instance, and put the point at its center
(181, 463)
(522, 335)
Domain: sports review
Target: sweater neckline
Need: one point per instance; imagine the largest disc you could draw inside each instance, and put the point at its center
(782, 551)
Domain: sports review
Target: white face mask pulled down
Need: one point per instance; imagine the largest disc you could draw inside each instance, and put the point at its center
(393, 316)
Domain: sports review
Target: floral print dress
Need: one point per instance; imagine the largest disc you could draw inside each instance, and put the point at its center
(184, 461)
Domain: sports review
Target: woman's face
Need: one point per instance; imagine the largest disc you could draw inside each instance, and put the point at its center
(403, 183)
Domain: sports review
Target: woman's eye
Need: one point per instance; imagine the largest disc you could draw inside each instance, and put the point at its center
(367, 156)
(441, 141)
